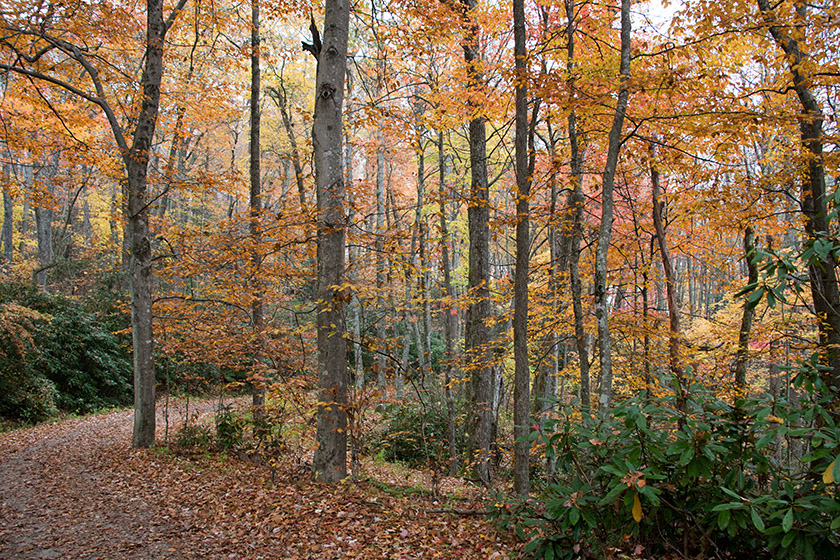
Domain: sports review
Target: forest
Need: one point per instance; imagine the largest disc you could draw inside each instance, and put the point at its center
(580, 255)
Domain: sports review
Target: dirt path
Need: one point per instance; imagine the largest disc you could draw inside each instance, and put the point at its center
(62, 497)
(76, 490)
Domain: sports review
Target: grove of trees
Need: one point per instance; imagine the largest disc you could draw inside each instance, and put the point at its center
(593, 245)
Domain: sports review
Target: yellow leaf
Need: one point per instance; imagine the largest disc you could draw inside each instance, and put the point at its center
(637, 508)
(828, 475)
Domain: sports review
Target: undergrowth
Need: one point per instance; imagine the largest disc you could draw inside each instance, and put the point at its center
(709, 483)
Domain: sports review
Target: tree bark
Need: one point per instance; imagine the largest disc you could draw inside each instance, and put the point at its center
(8, 227)
(424, 351)
(743, 354)
(449, 311)
(522, 371)
(381, 276)
(255, 200)
(330, 461)
(140, 264)
(281, 99)
(605, 231)
(352, 257)
(544, 387)
(576, 207)
(44, 175)
(670, 286)
(477, 336)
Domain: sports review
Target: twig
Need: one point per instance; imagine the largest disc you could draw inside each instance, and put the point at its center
(459, 511)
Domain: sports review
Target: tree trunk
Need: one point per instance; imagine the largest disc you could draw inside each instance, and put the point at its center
(399, 375)
(281, 99)
(43, 228)
(449, 311)
(39, 174)
(176, 151)
(605, 232)
(522, 375)
(477, 336)
(330, 461)
(8, 227)
(257, 320)
(399, 381)
(381, 277)
(87, 227)
(576, 204)
(544, 387)
(140, 263)
(424, 351)
(743, 354)
(670, 286)
(352, 256)
(821, 270)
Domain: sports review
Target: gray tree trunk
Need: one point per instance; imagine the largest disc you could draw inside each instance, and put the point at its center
(522, 375)
(8, 227)
(605, 231)
(352, 256)
(576, 206)
(87, 227)
(381, 276)
(477, 336)
(330, 461)
(675, 364)
(255, 200)
(399, 380)
(424, 350)
(44, 231)
(448, 311)
(281, 99)
(44, 175)
(136, 161)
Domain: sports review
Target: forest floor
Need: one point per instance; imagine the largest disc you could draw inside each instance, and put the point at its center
(77, 490)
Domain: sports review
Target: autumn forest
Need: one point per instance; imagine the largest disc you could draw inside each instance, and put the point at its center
(581, 256)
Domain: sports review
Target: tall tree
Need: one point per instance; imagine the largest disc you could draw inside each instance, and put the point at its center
(522, 192)
(477, 336)
(257, 319)
(605, 231)
(449, 311)
(330, 461)
(44, 172)
(34, 41)
(789, 33)
(576, 208)
(670, 283)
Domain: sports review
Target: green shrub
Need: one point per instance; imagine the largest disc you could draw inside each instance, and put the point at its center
(23, 395)
(193, 437)
(236, 431)
(59, 353)
(701, 485)
(230, 428)
(88, 366)
(31, 400)
(416, 435)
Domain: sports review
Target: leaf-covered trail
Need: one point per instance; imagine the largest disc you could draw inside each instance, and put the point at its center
(76, 489)
(64, 495)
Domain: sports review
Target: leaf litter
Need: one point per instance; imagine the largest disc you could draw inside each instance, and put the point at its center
(76, 489)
